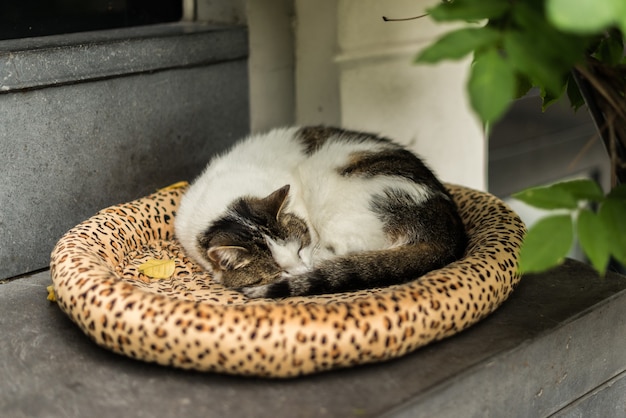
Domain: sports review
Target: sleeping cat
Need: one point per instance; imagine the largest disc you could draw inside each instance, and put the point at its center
(311, 210)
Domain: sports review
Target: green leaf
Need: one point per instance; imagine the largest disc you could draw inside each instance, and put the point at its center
(491, 85)
(547, 198)
(594, 240)
(457, 44)
(561, 47)
(611, 49)
(573, 93)
(613, 216)
(618, 192)
(563, 195)
(546, 244)
(585, 16)
(469, 10)
(581, 189)
(523, 85)
(621, 21)
(538, 50)
(549, 98)
(534, 61)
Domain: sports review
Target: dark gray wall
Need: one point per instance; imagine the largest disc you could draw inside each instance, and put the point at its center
(91, 120)
(531, 147)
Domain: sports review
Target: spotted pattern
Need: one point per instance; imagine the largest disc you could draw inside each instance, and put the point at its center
(190, 322)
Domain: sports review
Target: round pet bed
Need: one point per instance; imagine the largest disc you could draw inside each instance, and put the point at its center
(188, 321)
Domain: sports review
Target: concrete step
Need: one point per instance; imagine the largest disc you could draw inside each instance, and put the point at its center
(556, 347)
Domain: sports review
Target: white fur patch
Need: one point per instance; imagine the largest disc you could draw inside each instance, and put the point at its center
(287, 255)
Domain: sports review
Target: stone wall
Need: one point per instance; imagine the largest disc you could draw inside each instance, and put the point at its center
(94, 119)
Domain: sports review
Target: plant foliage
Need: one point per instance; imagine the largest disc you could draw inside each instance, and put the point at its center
(601, 233)
(559, 47)
(539, 42)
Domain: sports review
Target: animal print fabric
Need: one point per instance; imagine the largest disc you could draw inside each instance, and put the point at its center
(188, 321)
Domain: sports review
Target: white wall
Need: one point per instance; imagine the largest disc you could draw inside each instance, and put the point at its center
(421, 106)
(317, 74)
(336, 62)
(271, 63)
(215, 11)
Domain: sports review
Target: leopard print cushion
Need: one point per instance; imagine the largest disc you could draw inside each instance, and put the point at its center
(191, 322)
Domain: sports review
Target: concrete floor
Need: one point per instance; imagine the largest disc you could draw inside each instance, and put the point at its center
(555, 347)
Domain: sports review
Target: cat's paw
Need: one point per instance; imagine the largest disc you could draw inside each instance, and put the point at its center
(254, 292)
(278, 289)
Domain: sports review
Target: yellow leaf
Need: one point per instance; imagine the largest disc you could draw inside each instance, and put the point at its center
(158, 269)
(178, 185)
(51, 295)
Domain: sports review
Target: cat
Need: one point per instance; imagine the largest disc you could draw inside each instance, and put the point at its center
(312, 210)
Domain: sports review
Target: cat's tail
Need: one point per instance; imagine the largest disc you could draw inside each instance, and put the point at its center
(360, 271)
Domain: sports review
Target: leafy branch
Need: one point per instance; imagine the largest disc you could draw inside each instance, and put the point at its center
(601, 233)
(572, 47)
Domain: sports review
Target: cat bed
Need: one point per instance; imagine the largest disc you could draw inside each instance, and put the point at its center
(188, 321)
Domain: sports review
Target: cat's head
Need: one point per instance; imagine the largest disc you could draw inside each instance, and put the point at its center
(257, 241)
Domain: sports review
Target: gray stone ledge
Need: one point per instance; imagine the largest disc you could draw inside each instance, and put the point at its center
(61, 59)
(555, 347)
(97, 118)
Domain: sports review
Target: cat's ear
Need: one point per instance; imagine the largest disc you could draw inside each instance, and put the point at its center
(229, 257)
(277, 200)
